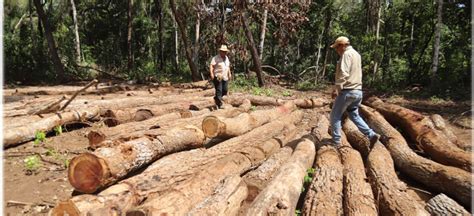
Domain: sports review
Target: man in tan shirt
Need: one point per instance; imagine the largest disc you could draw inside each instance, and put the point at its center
(220, 74)
(348, 91)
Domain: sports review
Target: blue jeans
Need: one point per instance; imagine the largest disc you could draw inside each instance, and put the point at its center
(348, 100)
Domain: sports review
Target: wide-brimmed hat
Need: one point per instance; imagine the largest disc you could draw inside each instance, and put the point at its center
(224, 48)
(340, 40)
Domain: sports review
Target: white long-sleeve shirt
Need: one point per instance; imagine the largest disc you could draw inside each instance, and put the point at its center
(349, 70)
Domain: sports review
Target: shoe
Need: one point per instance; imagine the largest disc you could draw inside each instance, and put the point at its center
(374, 139)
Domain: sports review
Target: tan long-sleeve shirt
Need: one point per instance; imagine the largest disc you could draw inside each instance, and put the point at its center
(349, 70)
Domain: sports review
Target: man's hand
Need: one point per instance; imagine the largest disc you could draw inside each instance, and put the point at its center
(334, 94)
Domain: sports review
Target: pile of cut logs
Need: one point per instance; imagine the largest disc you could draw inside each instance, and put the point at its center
(178, 155)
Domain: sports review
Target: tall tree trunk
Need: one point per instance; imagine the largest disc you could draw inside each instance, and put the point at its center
(376, 55)
(159, 6)
(262, 33)
(434, 66)
(197, 35)
(76, 32)
(30, 9)
(182, 30)
(58, 65)
(253, 50)
(176, 45)
(129, 36)
(327, 27)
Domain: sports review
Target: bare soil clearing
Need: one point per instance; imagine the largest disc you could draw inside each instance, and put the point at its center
(36, 172)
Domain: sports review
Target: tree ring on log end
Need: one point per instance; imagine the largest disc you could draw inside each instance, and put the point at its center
(211, 126)
(95, 137)
(86, 173)
(143, 114)
(110, 119)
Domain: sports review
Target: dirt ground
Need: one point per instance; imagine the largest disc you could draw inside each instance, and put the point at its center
(27, 193)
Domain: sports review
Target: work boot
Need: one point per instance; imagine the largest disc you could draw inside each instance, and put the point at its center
(374, 139)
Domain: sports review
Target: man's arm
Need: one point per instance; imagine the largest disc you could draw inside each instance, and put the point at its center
(346, 62)
(211, 72)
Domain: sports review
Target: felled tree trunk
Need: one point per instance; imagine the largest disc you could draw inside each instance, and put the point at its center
(391, 192)
(271, 101)
(443, 205)
(358, 195)
(205, 84)
(258, 179)
(226, 199)
(179, 168)
(358, 140)
(435, 144)
(452, 181)
(328, 178)
(213, 126)
(440, 124)
(13, 136)
(96, 137)
(116, 117)
(89, 172)
(282, 192)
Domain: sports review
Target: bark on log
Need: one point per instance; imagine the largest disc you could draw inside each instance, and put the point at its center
(435, 144)
(205, 84)
(452, 181)
(357, 139)
(166, 121)
(12, 122)
(91, 171)
(179, 168)
(389, 190)
(201, 186)
(281, 195)
(443, 205)
(358, 195)
(258, 179)
(213, 126)
(327, 180)
(116, 117)
(13, 136)
(48, 108)
(271, 101)
(226, 199)
(440, 124)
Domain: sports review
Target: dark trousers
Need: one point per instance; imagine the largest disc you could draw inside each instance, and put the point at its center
(221, 90)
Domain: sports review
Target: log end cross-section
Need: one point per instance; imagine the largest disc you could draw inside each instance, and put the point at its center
(86, 172)
(212, 125)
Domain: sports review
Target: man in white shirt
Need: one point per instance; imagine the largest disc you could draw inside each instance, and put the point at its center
(220, 74)
(348, 91)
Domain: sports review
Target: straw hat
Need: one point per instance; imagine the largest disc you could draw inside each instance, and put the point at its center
(340, 40)
(224, 48)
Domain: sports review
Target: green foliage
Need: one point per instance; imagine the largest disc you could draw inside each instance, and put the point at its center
(297, 212)
(51, 152)
(58, 130)
(32, 163)
(309, 175)
(40, 137)
(402, 50)
(253, 108)
(286, 93)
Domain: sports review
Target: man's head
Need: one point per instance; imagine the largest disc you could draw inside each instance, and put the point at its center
(223, 50)
(340, 44)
